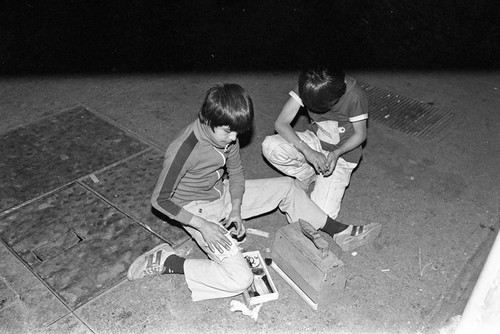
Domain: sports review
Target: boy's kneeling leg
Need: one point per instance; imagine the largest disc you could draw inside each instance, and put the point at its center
(209, 279)
(239, 274)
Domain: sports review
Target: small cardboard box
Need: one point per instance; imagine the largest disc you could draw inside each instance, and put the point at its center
(263, 288)
(321, 279)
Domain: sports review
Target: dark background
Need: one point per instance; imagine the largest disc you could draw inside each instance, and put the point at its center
(152, 35)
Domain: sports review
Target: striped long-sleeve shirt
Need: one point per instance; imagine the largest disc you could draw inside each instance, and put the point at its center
(193, 169)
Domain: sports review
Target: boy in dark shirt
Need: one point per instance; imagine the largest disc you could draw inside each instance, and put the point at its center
(329, 150)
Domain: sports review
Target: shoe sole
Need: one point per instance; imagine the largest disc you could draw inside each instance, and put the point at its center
(310, 232)
(140, 260)
(351, 243)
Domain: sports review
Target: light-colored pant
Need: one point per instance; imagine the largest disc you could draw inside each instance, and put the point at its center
(228, 274)
(328, 191)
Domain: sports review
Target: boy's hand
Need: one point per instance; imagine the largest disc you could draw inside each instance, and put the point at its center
(239, 229)
(317, 160)
(331, 162)
(215, 236)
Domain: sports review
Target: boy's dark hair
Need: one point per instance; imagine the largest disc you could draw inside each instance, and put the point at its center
(320, 88)
(227, 104)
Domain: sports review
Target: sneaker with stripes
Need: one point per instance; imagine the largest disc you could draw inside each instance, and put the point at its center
(357, 236)
(151, 263)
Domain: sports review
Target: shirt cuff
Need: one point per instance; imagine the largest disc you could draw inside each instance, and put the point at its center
(296, 97)
(358, 118)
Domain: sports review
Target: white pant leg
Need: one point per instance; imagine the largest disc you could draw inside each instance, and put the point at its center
(210, 279)
(329, 191)
(286, 158)
(264, 195)
(223, 275)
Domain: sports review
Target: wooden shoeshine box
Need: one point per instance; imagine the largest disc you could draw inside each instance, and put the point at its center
(322, 280)
(263, 288)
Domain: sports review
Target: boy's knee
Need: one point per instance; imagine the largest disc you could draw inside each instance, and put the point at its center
(267, 145)
(276, 150)
(289, 183)
(240, 281)
(244, 281)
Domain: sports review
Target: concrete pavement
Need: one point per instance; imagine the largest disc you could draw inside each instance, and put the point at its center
(437, 199)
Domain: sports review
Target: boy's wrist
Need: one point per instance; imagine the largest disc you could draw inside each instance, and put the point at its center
(196, 222)
(236, 205)
(236, 212)
(337, 153)
(300, 145)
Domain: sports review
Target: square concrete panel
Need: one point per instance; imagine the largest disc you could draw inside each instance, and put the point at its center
(70, 324)
(25, 302)
(40, 157)
(76, 242)
(129, 186)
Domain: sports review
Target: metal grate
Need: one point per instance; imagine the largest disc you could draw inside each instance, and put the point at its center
(404, 114)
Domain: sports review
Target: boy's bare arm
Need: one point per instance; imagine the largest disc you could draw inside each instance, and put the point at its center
(357, 139)
(283, 127)
(285, 118)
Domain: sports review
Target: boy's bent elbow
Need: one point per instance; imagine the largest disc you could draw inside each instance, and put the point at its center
(168, 209)
(279, 126)
(157, 209)
(154, 202)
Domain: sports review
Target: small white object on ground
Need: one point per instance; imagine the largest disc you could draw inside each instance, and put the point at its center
(94, 178)
(354, 253)
(239, 306)
(258, 232)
